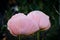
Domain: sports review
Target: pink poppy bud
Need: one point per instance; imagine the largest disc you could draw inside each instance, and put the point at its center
(20, 24)
(41, 18)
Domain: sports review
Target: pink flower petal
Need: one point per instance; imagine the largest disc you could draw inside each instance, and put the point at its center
(21, 24)
(41, 18)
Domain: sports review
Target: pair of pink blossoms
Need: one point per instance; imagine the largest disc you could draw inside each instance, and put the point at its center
(27, 24)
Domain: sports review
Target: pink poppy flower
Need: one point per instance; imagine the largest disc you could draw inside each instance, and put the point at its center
(41, 18)
(20, 24)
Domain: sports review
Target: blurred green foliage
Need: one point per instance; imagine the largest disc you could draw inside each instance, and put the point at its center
(49, 7)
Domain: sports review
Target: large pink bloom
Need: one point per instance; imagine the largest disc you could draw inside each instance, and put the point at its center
(21, 24)
(41, 18)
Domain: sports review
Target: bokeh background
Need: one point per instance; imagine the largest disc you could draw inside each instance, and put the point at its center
(49, 7)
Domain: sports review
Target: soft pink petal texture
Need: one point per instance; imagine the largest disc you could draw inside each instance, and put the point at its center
(21, 24)
(28, 26)
(41, 18)
(10, 27)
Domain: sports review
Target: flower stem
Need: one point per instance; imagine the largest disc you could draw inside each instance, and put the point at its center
(19, 37)
(38, 35)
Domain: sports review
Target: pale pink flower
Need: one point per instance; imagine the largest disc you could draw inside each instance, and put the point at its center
(41, 18)
(20, 24)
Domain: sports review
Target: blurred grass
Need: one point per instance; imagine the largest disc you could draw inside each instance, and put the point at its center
(49, 7)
